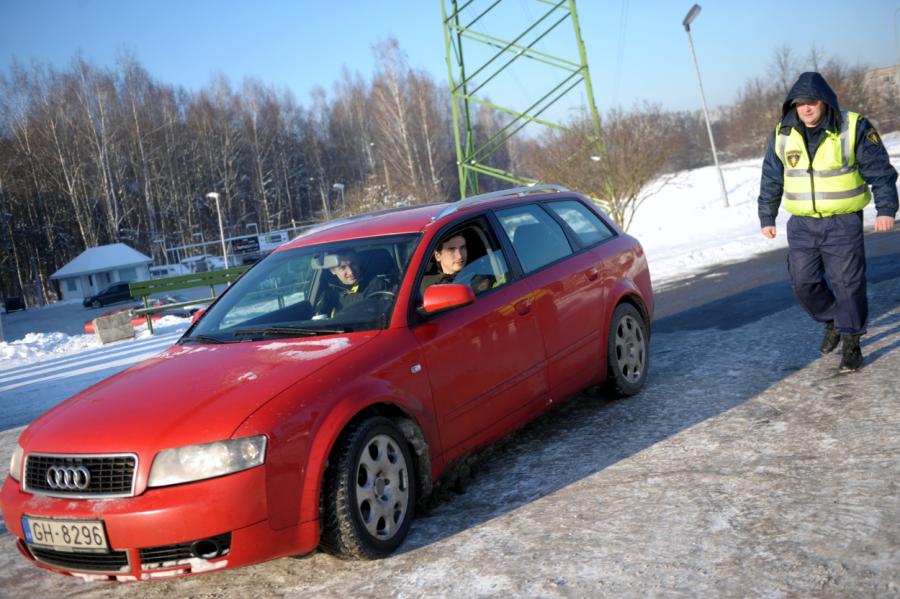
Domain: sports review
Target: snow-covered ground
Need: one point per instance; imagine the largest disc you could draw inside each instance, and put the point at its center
(745, 468)
(779, 481)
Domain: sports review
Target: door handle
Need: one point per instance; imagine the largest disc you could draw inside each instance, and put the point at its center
(592, 274)
(523, 307)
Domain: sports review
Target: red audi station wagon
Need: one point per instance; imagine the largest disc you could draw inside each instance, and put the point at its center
(317, 401)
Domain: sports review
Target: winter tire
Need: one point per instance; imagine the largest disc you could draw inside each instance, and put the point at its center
(628, 356)
(369, 492)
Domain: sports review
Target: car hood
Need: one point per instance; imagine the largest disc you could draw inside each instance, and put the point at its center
(188, 394)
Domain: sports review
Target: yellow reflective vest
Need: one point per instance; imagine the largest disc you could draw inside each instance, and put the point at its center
(832, 183)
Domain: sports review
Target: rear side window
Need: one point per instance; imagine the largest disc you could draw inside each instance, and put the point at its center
(537, 239)
(588, 227)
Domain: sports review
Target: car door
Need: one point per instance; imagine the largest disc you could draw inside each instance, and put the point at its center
(485, 361)
(570, 298)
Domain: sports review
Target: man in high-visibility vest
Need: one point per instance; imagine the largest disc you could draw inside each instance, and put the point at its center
(820, 165)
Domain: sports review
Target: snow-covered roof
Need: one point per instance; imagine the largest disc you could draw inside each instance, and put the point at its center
(102, 258)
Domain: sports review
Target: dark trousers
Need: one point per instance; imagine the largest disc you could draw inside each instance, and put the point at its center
(832, 246)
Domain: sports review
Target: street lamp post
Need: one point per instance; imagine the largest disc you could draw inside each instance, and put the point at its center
(340, 188)
(215, 196)
(692, 14)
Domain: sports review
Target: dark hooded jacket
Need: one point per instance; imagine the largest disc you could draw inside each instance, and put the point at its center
(874, 163)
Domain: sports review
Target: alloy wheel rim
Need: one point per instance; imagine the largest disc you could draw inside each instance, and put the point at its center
(382, 487)
(630, 349)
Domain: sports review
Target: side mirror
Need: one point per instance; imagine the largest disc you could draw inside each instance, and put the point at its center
(196, 315)
(439, 298)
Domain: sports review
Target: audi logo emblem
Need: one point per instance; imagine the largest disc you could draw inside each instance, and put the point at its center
(68, 478)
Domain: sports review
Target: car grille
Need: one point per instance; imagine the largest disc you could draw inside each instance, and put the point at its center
(114, 561)
(110, 475)
(167, 556)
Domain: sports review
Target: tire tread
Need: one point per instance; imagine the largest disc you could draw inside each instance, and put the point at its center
(339, 533)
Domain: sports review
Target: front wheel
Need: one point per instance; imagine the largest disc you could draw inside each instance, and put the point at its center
(369, 491)
(628, 356)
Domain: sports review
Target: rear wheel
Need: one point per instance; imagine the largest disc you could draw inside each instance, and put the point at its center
(369, 491)
(628, 357)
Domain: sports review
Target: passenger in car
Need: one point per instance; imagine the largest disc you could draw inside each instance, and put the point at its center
(451, 256)
(352, 285)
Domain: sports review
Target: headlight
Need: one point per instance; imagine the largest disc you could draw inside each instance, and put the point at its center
(15, 463)
(196, 462)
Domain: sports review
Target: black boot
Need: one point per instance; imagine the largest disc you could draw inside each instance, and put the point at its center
(851, 358)
(830, 340)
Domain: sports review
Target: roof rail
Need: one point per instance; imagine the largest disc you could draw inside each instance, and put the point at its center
(330, 224)
(502, 193)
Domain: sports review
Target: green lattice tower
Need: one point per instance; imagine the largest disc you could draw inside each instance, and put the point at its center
(464, 30)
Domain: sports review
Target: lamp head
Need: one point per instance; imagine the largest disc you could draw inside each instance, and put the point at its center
(692, 14)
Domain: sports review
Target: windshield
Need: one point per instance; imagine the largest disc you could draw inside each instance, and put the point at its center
(315, 290)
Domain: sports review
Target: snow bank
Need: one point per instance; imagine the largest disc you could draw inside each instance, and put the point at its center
(38, 346)
(35, 347)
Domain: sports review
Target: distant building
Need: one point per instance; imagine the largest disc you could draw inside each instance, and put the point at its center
(883, 88)
(98, 267)
(883, 81)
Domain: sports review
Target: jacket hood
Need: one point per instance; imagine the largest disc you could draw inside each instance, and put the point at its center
(811, 85)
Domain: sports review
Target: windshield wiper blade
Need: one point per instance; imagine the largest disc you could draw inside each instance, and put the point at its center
(204, 339)
(288, 332)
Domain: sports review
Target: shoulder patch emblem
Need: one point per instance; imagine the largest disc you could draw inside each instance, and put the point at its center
(793, 158)
(872, 136)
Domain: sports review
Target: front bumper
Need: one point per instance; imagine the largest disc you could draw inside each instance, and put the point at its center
(229, 511)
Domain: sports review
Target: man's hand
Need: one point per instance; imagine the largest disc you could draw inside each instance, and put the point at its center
(884, 223)
(769, 232)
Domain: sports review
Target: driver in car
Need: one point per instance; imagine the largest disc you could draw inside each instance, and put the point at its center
(350, 288)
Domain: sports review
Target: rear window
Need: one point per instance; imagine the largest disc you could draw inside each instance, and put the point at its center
(537, 239)
(588, 227)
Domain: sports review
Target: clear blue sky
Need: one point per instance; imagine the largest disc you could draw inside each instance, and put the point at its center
(636, 50)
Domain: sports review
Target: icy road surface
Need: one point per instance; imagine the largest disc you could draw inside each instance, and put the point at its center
(746, 467)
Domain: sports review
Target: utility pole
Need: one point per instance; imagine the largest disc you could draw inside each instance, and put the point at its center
(467, 37)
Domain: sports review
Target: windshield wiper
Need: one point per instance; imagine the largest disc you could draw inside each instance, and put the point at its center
(288, 332)
(204, 339)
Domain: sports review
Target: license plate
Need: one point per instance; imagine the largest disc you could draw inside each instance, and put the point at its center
(66, 534)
